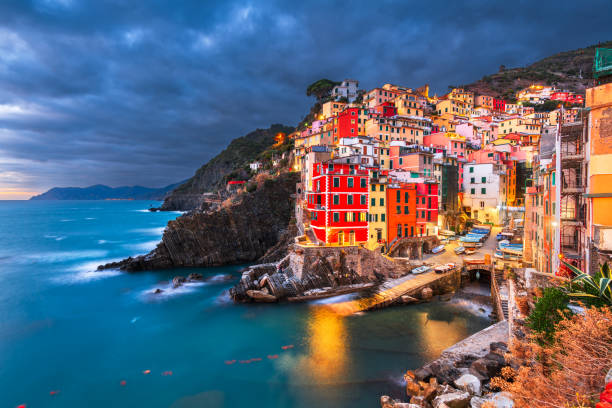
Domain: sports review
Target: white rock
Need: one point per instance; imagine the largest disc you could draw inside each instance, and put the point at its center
(609, 376)
(499, 400)
(452, 400)
(469, 383)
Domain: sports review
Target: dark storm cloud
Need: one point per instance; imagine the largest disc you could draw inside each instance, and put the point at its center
(144, 93)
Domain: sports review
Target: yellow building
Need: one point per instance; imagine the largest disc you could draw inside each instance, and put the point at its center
(407, 105)
(332, 108)
(599, 183)
(461, 95)
(377, 225)
(450, 108)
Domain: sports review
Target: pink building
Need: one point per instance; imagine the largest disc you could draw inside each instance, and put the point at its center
(451, 142)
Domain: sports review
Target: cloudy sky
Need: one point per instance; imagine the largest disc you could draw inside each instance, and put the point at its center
(126, 92)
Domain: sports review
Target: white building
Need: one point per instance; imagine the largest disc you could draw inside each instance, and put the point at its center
(484, 186)
(255, 166)
(347, 89)
(366, 148)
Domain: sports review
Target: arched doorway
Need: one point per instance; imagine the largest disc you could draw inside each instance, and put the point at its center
(341, 238)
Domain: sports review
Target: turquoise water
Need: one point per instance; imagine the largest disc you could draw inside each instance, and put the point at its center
(76, 333)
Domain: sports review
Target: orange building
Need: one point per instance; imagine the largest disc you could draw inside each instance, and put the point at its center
(401, 210)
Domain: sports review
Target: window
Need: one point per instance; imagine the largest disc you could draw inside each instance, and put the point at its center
(406, 197)
(364, 200)
(349, 217)
(382, 188)
(398, 209)
(349, 182)
(331, 167)
(422, 214)
(472, 180)
(406, 210)
(399, 230)
(373, 187)
(336, 182)
(372, 202)
(362, 216)
(336, 217)
(349, 199)
(473, 191)
(336, 199)
(471, 169)
(484, 179)
(412, 231)
(428, 216)
(381, 202)
(482, 204)
(398, 196)
(483, 191)
(363, 182)
(382, 217)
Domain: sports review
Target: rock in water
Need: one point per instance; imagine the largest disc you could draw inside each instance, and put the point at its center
(469, 383)
(194, 277)
(158, 291)
(178, 281)
(426, 293)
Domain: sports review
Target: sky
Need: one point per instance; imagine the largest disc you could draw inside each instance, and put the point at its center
(145, 92)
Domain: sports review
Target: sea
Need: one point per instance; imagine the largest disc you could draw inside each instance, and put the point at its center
(71, 336)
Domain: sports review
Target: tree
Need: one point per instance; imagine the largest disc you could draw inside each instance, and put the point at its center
(321, 88)
(549, 310)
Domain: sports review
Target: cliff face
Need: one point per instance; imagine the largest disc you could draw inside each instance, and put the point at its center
(230, 162)
(240, 232)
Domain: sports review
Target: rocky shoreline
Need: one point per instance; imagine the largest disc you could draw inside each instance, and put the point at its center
(460, 377)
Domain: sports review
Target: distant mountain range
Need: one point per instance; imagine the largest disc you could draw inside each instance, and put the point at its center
(102, 192)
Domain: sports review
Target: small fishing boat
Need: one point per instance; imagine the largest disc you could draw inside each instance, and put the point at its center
(421, 269)
(438, 249)
(470, 251)
(459, 250)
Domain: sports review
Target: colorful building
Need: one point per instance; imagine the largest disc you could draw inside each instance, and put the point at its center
(338, 203)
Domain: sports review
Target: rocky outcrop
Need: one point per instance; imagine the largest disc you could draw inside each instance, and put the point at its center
(214, 174)
(237, 233)
(468, 365)
(309, 268)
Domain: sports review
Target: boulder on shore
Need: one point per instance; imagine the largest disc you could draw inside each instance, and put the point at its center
(195, 277)
(469, 383)
(459, 399)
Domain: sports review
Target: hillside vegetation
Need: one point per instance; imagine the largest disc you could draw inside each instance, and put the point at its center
(231, 164)
(571, 70)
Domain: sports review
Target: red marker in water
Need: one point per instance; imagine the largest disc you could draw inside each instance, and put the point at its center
(273, 356)
(53, 392)
(167, 373)
(122, 383)
(228, 362)
(290, 346)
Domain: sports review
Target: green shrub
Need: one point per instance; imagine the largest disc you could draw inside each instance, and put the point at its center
(549, 310)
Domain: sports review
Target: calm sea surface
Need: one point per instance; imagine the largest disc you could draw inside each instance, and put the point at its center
(73, 337)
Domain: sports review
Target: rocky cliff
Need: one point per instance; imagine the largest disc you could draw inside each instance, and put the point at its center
(240, 231)
(231, 162)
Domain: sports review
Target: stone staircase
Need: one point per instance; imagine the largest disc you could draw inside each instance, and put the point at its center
(500, 282)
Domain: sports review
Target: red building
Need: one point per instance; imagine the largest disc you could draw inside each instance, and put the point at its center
(386, 109)
(338, 204)
(346, 124)
(426, 208)
(499, 105)
(568, 97)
